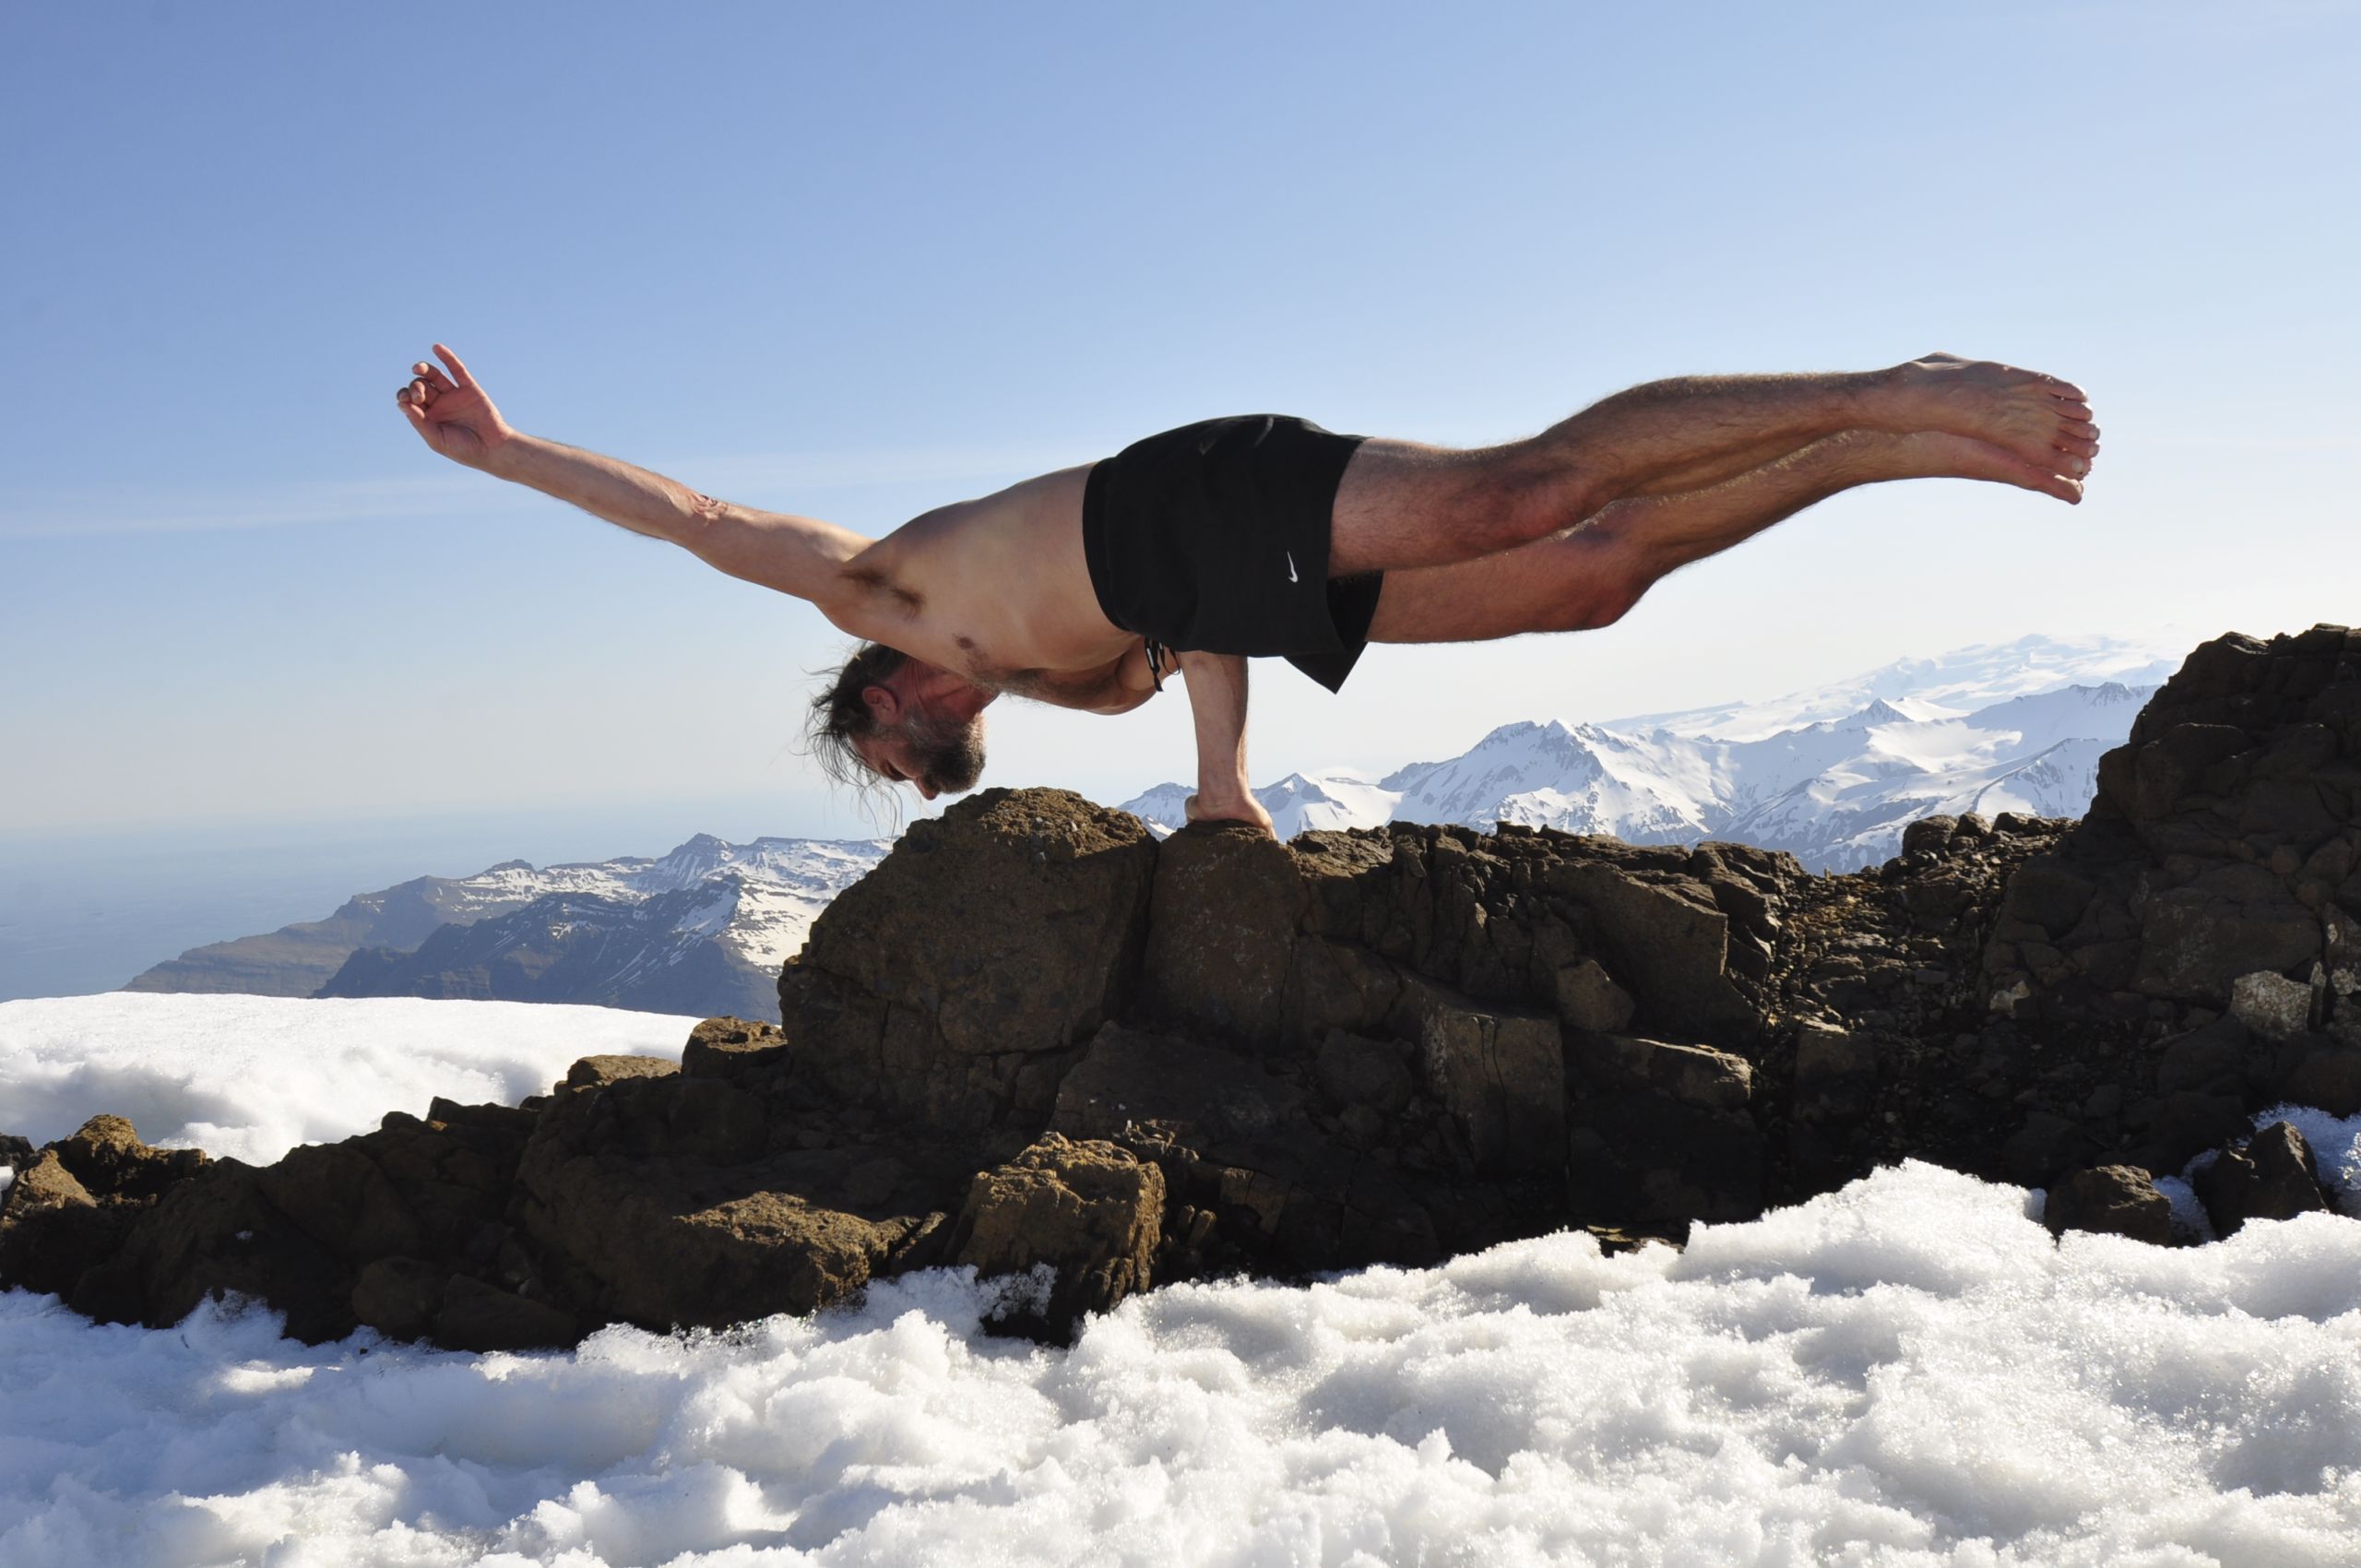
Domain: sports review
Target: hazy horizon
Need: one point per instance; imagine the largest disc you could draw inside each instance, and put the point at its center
(86, 911)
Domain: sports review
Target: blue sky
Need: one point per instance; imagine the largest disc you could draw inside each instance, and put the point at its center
(857, 261)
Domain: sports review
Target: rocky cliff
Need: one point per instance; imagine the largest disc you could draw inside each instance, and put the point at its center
(1033, 1035)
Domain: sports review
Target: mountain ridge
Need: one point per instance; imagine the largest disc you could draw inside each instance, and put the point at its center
(699, 927)
(1830, 775)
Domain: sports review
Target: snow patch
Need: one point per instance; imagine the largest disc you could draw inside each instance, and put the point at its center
(252, 1076)
(1908, 1371)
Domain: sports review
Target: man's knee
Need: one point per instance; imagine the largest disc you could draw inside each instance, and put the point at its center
(1603, 582)
(1530, 498)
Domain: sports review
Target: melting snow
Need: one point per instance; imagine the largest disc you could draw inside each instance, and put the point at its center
(1907, 1372)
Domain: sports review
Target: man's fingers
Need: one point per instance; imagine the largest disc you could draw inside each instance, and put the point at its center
(458, 371)
(432, 374)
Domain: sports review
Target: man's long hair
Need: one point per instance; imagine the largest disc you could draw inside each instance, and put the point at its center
(840, 718)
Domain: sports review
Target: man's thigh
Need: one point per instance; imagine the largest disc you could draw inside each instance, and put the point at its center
(1402, 505)
(1569, 582)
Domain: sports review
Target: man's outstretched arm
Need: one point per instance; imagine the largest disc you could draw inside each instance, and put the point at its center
(795, 555)
(1217, 703)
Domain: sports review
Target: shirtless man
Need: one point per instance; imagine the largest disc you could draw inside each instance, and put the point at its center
(1269, 537)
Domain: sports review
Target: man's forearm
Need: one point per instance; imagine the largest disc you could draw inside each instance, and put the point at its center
(1218, 705)
(795, 555)
(623, 493)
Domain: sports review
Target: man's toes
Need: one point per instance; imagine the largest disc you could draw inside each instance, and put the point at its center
(2066, 389)
(2082, 428)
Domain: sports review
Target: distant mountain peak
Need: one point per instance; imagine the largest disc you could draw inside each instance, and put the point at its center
(1829, 774)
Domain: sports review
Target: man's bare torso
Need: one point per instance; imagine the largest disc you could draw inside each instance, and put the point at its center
(997, 590)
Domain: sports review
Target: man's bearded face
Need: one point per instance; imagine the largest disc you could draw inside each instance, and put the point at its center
(946, 755)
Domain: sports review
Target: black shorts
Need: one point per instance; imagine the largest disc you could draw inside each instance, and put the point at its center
(1213, 538)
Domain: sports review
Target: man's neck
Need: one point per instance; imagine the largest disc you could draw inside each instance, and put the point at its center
(940, 694)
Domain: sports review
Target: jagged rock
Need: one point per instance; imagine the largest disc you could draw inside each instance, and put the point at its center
(1588, 998)
(1501, 1073)
(1375, 1045)
(657, 1197)
(1336, 985)
(1928, 835)
(734, 1048)
(597, 1072)
(1232, 1140)
(1356, 1071)
(1221, 927)
(1669, 945)
(1008, 928)
(2271, 1005)
(106, 1155)
(1692, 1074)
(1089, 1211)
(45, 1244)
(1836, 1072)
(335, 1195)
(2329, 1076)
(2272, 1178)
(2211, 1060)
(1023, 946)
(2115, 1200)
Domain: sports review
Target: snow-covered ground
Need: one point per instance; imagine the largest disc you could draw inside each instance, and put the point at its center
(252, 1076)
(1907, 1372)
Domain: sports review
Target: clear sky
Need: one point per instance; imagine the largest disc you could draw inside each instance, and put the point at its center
(856, 261)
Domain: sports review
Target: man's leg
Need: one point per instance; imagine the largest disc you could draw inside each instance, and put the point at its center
(1402, 505)
(1588, 575)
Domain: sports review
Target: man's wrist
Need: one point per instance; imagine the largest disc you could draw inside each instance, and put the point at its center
(506, 454)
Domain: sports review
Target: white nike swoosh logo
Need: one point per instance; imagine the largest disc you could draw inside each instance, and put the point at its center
(1291, 577)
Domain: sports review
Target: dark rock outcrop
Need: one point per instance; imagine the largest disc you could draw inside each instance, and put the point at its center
(2270, 1177)
(2115, 1200)
(1035, 1036)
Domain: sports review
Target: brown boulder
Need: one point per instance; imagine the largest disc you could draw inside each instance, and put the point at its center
(2270, 1178)
(735, 1049)
(106, 1155)
(1089, 1211)
(648, 1217)
(1011, 922)
(2115, 1200)
(1669, 946)
(1221, 931)
(596, 1071)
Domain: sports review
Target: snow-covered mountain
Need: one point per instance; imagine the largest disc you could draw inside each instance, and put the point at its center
(1298, 804)
(1829, 774)
(703, 929)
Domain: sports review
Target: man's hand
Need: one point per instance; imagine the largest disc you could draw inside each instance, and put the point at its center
(1244, 809)
(451, 412)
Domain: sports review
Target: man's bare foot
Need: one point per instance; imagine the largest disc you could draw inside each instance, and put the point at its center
(2039, 419)
(1929, 453)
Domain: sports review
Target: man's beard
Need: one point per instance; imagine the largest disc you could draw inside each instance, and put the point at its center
(949, 753)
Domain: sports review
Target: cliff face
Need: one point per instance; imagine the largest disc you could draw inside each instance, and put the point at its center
(1033, 1035)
